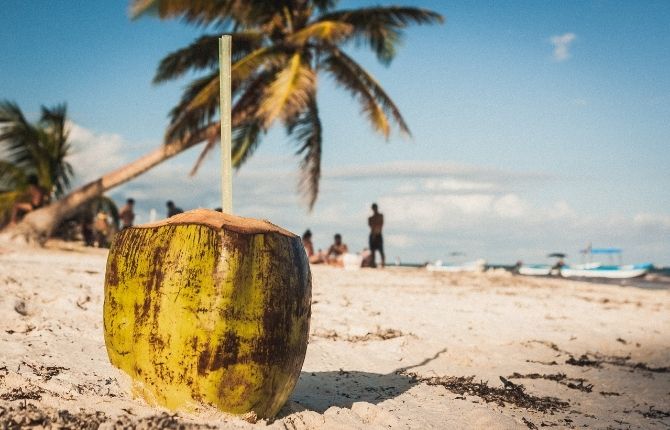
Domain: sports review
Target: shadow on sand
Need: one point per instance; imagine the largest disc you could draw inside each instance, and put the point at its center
(317, 391)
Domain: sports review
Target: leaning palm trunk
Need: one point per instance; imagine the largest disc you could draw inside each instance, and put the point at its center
(37, 226)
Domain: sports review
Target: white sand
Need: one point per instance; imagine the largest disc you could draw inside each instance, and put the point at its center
(437, 325)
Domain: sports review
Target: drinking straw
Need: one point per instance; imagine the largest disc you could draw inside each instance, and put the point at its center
(225, 43)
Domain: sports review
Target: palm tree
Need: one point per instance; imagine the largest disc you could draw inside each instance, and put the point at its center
(279, 50)
(38, 150)
(280, 47)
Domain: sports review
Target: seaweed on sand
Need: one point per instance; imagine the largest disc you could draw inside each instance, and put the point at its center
(510, 392)
(561, 378)
(597, 360)
(29, 415)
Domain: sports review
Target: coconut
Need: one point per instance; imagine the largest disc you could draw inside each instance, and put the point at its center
(212, 308)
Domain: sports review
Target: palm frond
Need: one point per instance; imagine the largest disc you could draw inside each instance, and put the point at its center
(361, 92)
(212, 138)
(246, 138)
(381, 27)
(322, 31)
(184, 120)
(289, 93)
(203, 54)
(246, 125)
(19, 138)
(306, 130)
(223, 13)
(376, 102)
(324, 5)
(199, 12)
(11, 176)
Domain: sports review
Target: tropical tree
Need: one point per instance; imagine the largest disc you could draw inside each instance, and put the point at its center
(280, 48)
(38, 150)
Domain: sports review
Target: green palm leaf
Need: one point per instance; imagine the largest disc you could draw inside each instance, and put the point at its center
(381, 27)
(289, 93)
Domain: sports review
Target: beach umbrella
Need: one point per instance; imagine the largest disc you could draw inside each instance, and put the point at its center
(557, 255)
(209, 307)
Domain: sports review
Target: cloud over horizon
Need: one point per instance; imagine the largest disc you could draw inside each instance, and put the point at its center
(561, 45)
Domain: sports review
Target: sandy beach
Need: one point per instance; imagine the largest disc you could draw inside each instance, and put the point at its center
(393, 348)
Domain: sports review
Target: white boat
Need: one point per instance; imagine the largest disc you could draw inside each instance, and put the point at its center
(470, 266)
(535, 270)
(591, 269)
(597, 270)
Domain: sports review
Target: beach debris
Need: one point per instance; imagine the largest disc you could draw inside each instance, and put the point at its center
(546, 363)
(81, 302)
(20, 308)
(529, 424)
(511, 393)
(620, 340)
(609, 393)
(378, 334)
(250, 417)
(18, 393)
(29, 415)
(561, 378)
(655, 413)
(45, 372)
(209, 307)
(597, 360)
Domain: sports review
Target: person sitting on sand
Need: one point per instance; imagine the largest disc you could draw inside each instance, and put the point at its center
(314, 258)
(36, 197)
(335, 255)
(127, 215)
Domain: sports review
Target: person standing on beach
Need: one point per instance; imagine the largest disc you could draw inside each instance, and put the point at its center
(172, 210)
(127, 215)
(376, 222)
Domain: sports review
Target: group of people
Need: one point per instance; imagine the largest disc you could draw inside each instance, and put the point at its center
(336, 253)
(102, 229)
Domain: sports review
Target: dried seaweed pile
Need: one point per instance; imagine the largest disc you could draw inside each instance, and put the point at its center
(561, 378)
(28, 415)
(510, 392)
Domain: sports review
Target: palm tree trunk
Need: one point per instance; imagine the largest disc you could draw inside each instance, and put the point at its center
(37, 226)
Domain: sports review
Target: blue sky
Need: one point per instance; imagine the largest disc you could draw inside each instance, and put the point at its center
(536, 126)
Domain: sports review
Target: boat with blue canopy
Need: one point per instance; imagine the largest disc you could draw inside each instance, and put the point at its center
(590, 268)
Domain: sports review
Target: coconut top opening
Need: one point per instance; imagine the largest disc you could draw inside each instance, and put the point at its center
(219, 220)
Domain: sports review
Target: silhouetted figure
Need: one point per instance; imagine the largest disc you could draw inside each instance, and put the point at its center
(87, 230)
(376, 242)
(101, 227)
(127, 215)
(556, 268)
(35, 196)
(335, 255)
(172, 210)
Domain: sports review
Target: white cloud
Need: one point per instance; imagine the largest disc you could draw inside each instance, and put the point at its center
(94, 154)
(561, 45)
(424, 169)
(457, 185)
(660, 222)
(510, 206)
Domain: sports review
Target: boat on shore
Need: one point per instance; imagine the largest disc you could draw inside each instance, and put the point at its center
(591, 269)
(470, 266)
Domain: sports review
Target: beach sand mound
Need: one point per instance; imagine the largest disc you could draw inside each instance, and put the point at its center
(394, 348)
